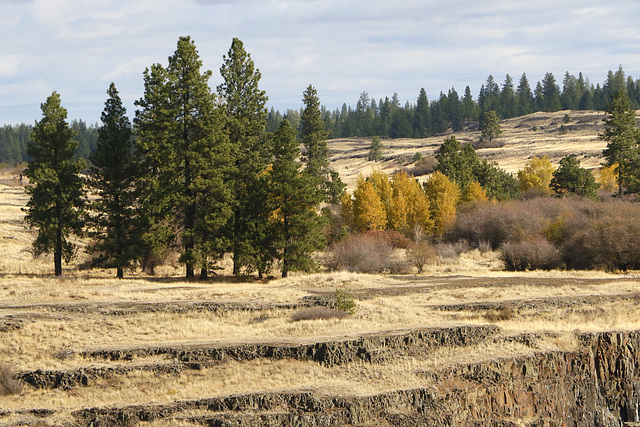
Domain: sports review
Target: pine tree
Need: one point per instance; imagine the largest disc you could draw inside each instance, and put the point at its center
(550, 93)
(316, 155)
(57, 198)
(508, 98)
(246, 113)
(421, 116)
(571, 179)
(375, 149)
(181, 136)
(297, 226)
(622, 138)
(524, 97)
(489, 126)
(114, 177)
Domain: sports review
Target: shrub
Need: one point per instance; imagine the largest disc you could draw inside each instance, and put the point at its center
(503, 313)
(530, 255)
(320, 312)
(344, 302)
(423, 166)
(420, 253)
(8, 385)
(451, 250)
(371, 252)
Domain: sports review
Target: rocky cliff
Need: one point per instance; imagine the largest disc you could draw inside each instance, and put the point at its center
(596, 385)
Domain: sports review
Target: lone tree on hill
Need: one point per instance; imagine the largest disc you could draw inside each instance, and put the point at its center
(489, 126)
(56, 206)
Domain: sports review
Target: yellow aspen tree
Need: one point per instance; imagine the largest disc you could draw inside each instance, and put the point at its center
(444, 196)
(608, 177)
(399, 208)
(346, 209)
(368, 210)
(473, 193)
(418, 215)
(381, 183)
(537, 175)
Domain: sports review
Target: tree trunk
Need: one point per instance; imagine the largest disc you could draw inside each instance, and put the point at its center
(120, 273)
(57, 254)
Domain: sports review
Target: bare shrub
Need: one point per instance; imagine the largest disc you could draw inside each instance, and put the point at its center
(423, 166)
(530, 255)
(451, 250)
(371, 252)
(420, 253)
(8, 385)
(316, 313)
(498, 223)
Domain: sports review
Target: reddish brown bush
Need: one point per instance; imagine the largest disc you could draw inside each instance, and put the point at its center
(363, 253)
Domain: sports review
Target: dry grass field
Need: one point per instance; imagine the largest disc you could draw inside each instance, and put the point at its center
(141, 340)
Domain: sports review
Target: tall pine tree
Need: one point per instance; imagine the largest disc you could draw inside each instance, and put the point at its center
(298, 227)
(316, 155)
(246, 112)
(114, 176)
(181, 136)
(57, 198)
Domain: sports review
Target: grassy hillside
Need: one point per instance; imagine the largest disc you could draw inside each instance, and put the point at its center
(524, 137)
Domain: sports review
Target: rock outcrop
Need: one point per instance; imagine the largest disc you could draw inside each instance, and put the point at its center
(596, 385)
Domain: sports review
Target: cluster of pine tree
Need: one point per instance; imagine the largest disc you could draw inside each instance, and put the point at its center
(196, 170)
(388, 118)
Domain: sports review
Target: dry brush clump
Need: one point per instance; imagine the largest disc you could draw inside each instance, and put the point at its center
(372, 252)
(8, 384)
(548, 233)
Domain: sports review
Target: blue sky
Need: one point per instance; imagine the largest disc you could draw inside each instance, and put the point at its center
(342, 47)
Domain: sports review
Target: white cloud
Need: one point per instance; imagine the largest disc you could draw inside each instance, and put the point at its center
(343, 48)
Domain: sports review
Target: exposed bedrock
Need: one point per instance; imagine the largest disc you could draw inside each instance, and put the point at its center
(597, 385)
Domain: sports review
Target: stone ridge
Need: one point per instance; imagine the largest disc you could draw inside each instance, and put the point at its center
(371, 348)
(597, 385)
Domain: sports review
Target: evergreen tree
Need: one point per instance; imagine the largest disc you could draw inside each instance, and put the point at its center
(181, 136)
(421, 116)
(316, 156)
(489, 126)
(114, 176)
(454, 110)
(621, 136)
(297, 226)
(508, 99)
(550, 93)
(57, 199)
(456, 162)
(375, 150)
(489, 98)
(571, 179)
(469, 106)
(246, 113)
(524, 97)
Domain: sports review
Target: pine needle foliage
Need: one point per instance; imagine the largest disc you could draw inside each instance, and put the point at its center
(56, 207)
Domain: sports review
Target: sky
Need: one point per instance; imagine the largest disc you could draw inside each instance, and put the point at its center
(341, 47)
